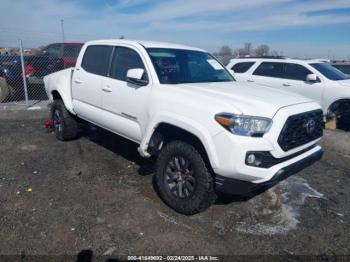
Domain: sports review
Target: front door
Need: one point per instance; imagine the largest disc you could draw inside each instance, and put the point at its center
(127, 103)
(295, 81)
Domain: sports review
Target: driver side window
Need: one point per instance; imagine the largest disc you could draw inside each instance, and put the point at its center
(296, 72)
(124, 59)
(53, 50)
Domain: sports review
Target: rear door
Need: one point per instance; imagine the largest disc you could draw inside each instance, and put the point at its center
(240, 70)
(268, 74)
(87, 81)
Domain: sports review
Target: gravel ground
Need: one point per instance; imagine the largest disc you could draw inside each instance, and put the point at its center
(96, 194)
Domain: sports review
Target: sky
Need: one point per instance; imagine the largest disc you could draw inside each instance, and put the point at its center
(296, 28)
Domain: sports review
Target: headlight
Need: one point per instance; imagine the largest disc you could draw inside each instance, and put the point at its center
(244, 125)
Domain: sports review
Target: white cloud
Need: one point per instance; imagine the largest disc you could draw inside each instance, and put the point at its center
(188, 21)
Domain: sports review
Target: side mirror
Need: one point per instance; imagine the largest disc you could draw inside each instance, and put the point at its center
(232, 72)
(311, 78)
(134, 76)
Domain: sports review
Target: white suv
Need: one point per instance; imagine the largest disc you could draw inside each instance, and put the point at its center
(311, 78)
(208, 132)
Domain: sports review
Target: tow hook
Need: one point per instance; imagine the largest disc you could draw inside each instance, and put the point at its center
(48, 123)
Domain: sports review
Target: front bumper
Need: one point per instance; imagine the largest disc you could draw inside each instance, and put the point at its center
(234, 186)
(231, 150)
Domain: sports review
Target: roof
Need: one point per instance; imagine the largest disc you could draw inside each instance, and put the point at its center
(290, 60)
(67, 43)
(341, 63)
(146, 44)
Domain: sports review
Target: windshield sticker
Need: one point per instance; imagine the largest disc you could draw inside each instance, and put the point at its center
(215, 64)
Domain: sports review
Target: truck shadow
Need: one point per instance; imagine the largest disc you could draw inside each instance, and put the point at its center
(242, 195)
(118, 145)
(128, 150)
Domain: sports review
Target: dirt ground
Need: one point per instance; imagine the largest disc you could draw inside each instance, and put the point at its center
(96, 194)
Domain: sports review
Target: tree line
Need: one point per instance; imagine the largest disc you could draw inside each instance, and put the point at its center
(226, 53)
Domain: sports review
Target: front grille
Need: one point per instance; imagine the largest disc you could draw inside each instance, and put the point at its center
(300, 129)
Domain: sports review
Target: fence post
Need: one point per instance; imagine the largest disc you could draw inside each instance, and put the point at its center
(23, 74)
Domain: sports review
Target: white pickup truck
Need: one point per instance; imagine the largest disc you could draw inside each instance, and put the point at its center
(208, 132)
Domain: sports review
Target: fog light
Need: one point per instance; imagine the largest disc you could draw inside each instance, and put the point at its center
(251, 159)
(257, 161)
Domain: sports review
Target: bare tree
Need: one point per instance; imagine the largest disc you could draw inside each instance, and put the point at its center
(275, 53)
(224, 55)
(262, 50)
(225, 51)
(247, 50)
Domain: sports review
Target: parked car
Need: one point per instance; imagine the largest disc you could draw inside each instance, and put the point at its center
(311, 78)
(67, 52)
(343, 66)
(52, 58)
(11, 77)
(208, 132)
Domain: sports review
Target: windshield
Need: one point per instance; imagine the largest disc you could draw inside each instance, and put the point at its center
(329, 71)
(177, 66)
(344, 68)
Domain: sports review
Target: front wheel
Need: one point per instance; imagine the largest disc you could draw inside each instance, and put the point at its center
(182, 179)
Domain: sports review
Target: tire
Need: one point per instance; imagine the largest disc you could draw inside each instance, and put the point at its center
(183, 180)
(343, 122)
(341, 109)
(5, 90)
(64, 124)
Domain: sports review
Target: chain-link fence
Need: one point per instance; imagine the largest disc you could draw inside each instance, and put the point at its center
(22, 70)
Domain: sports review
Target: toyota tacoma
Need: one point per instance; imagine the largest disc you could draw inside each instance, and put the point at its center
(182, 107)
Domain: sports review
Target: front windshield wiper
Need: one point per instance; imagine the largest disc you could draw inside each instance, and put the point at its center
(194, 81)
(222, 80)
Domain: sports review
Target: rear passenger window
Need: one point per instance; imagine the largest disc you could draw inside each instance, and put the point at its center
(296, 72)
(270, 69)
(124, 59)
(242, 67)
(96, 59)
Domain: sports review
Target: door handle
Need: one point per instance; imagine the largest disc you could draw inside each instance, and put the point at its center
(286, 84)
(250, 81)
(78, 81)
(107, 89)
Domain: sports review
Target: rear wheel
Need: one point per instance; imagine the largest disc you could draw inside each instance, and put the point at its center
(65, 125)
(182, 179)
(5, 90)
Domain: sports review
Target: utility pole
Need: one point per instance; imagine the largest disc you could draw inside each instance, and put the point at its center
(62, 28)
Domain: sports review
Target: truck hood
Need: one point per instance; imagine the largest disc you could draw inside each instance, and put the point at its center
(345, 82)
(242, 98)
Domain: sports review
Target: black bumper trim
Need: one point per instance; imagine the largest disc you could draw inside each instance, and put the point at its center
(234, 186)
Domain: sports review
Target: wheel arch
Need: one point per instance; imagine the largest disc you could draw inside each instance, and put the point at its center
(187, 131)
(56, 94)
(337, 107)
